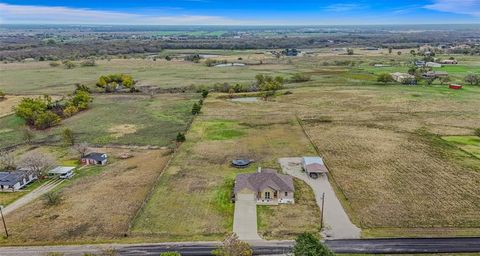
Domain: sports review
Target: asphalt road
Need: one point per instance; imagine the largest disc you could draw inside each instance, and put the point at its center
(370, 246)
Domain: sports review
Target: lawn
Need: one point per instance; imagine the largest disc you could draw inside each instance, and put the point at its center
(115, 119)
(194, 192)
(7, 198)
(470, 144)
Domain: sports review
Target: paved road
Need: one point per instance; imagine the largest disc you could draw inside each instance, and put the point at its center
(336, 219)
(366, 246)
(34, 194)
(245, 218)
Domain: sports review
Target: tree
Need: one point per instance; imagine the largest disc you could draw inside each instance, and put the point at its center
(168, 58)
(384, 78)
(232, 246)
(477, 132)
(390, 49)
(429, 80)
(350, 51)
(81, 100)
(68, 137)
(70, 111)
(88, 62)
(472, 79)
(7, 161)
(413, 53)
(181, 137)
(2, 95)
(196, 109)
(46, 120)
(82, 148)
(28, 135)
(399, 53)
(36, 162)
(307, 244)
(30, 108)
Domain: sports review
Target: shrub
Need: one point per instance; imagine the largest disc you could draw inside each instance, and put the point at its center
(384, 78)
(88, 63)
(204, 93)
(232, 246)
(54, 64)
(196, 109)
(180, 137)
(477, 132)
(307, 244)
(69, 64)
(68, 137)
(53, 198)
(300, 77)
(70, 111)
(170, 254)
(46, 119)
(472, 79)
(2, 95)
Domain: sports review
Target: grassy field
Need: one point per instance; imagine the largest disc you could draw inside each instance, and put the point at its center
(195, 185)
(384, 152)
(116, 119)
(91, 209)
(470, 144)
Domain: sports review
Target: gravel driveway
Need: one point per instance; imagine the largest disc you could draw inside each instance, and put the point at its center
(338, 225)
(245, 218)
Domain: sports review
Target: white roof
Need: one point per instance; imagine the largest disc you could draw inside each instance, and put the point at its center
(312, 160)
(61, 170)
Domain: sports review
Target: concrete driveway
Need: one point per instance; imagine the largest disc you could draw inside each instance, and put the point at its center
(338, 225)
(245, 218)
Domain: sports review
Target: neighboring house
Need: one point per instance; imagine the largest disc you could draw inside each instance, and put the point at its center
(314, 166)
(62, 172)
(433, 65)
(266, 186)
(435, 74)
(420, 63)
(291, 52)
(95, 159)
(404, 78)
(449, 62)
(15, 180)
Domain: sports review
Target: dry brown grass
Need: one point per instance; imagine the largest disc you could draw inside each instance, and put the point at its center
(118, 131)
(98, 205)
(383, 152)
(6, 105)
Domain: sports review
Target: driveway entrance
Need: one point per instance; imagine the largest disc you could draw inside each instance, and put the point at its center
(245, 218)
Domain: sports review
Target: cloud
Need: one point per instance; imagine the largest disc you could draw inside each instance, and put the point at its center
(344, 7)
(468, 7)
(31, 14)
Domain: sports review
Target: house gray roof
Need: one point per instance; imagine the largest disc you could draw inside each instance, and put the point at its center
(267, 178)
(11, 178)
(96, 156)
(314, 164)
(61, 170)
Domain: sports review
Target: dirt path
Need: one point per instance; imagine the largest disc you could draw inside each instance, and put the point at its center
(337, 222)
(245, 218)
(36, 193)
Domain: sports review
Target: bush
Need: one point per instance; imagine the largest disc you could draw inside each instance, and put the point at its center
(232, 246)
(384, 78)
(170, 254)
(477, 132)
(54, 64)
(2, 95)
(307, 244)
(88, 63)
(196, 109)
(472, 79)
(180, 137)
(69, 64)
(53, 198)
(300, 77)
(46, 119)
(204, 93)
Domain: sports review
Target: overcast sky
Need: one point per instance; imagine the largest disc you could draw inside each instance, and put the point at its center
(239, 12)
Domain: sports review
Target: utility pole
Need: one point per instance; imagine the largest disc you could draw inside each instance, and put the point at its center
(3, 219)
(323, 204)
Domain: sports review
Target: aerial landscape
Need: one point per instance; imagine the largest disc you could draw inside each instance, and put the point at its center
(170, 129)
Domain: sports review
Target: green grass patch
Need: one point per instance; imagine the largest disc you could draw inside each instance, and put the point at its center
(223, 200)
(223, 130)
(470, 144)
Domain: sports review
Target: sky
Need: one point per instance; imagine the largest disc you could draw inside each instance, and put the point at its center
(239, 12)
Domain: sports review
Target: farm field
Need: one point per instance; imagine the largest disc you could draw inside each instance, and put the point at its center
(90, 209)
(470, 144)
(194, 191)
(384, 151)
(115, 119)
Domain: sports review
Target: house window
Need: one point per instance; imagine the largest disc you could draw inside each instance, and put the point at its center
(275, 194)
(286, 193)
(267, 195)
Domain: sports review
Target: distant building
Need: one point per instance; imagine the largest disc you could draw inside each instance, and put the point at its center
(62, 172)
(95, 159)
(435, 74)
(290, 52)
(420, 63)
(404, 78)
(433, 65)
(12, 181)
(266, 187)
(449, 62)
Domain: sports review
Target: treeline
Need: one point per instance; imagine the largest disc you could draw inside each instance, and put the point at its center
(43, 112)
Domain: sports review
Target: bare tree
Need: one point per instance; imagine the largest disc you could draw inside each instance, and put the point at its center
(36, 162)
(7, 161)
(81, 148)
